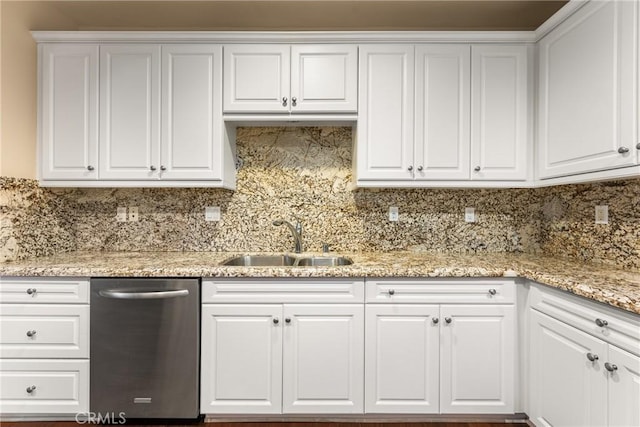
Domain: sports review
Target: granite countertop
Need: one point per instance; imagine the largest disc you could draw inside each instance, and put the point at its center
(615, 287)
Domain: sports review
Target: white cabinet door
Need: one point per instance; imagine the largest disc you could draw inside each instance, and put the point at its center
(402, 369)
(129, 112)
(442, 112)
(567, 389)
(477, 359)
(192, 134)
(241, 365)
(69, 112)
(256, 78)
(323, 359)
(587, 95)
(499, 112)
(324, 78)
(384, 148)
(624, 388)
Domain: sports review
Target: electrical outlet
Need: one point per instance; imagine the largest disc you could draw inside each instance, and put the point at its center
(121, 214)
(394, 214)
(212, 213)
(133, 213)
(602, 214)
(469, 215)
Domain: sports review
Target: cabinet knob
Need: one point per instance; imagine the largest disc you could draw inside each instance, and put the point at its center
(163, 168)
(477, 168)
(447, 319)
(601, 322)
(623, 150)
(287, 319)
(152, 168)
(592, 357)
(638, 146)
(420, 168)
(284, 101)
(294, 101)
(435, 320)
(610, 367)
(31, 333)
(492, 291)
(276, 320)
(391, 292)
(32, 291)
(31, 389)
(90, 168)
(410, 168)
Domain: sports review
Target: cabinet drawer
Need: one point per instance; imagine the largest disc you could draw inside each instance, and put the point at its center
(44, 331)
(282, 290)
(44, 290)
(472, 291)
(622, 329)
(61, 386)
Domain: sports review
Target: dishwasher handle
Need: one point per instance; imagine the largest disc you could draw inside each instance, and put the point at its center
(121, 294)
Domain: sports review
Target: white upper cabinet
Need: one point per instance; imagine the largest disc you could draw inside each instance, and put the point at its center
(384, 149)
(500, 112)
(442, 112)
(280, 78)
(191, 112)
(68, 112)
(129, 112)
(588, 90)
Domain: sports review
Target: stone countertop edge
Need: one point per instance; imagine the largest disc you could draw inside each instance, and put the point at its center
(611, 286)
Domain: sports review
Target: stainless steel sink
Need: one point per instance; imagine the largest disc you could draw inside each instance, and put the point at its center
(286, 261)
(323, 261)
(261, 261)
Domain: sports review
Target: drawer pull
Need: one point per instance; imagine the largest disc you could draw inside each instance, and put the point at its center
(435, 320)
(391, 292)
(492, 291)
(32, 291)
(601, 322)
(31, 389)
(447, 319)
(287, 319)
(610, 367)
(31, 333)
(592, 357)
(276, 320)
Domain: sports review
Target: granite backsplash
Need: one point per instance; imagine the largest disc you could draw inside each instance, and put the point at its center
(306, 172)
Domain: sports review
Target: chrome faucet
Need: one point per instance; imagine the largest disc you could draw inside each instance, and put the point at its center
(296, 232)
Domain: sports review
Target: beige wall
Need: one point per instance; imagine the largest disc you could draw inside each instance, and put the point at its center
(18, 81)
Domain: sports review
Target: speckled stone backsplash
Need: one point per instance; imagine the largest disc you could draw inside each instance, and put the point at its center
(306, 172)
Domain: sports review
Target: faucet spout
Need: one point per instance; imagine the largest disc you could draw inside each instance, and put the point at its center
(296, 232)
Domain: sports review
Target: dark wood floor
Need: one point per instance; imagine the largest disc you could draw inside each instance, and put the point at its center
(259, 424)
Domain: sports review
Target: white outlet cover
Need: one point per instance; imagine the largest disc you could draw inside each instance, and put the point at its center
(212, 213)
(133, 213)
(469, 215)
(394, 214)
(121, 214)
(602, 214)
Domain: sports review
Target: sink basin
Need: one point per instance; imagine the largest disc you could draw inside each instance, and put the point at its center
(286, 261)
(323, 261)
(261, 261)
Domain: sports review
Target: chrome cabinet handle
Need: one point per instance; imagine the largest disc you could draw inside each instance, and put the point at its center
(391, 292)
(294, 101)
(120, 294)
(152, 168)
(276, 320)
(492, 291)
(610, 367)
(592, 357)
(287, 319)
(90, 168)
(435, 320)
(31, 333)
(31, 389)
(284, 101)
(410, 168)
(447, 319)
(163, 168)
(477, 168)
(601, 322)
(623, 150)
(32, 291)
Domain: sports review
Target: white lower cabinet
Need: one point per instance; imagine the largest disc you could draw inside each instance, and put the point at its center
(582, 374)
(440, 358)
(282, 358)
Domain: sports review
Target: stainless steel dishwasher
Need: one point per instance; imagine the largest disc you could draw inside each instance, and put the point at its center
(145, 347)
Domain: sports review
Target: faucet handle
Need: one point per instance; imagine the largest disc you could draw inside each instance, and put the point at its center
(325, 247)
